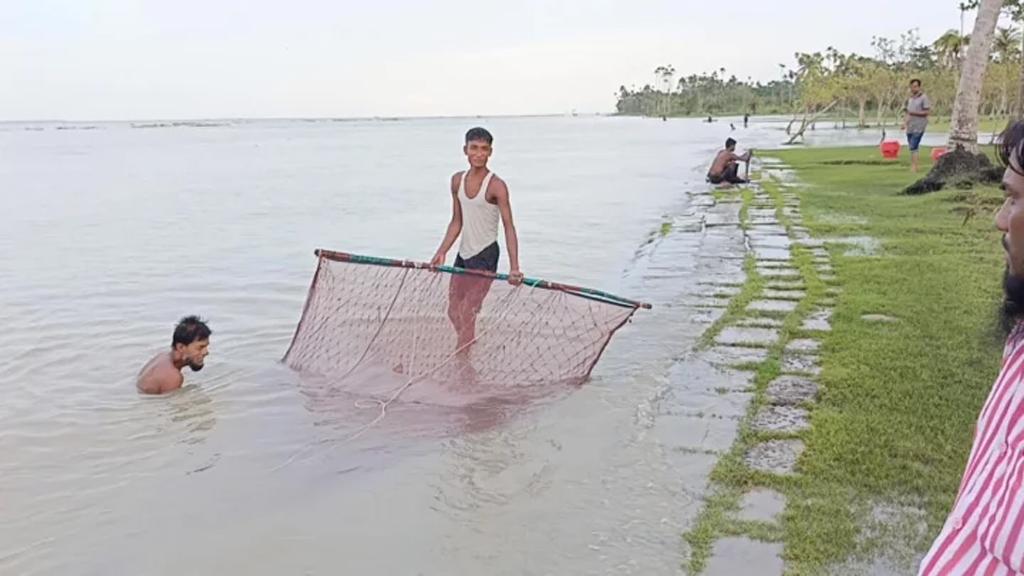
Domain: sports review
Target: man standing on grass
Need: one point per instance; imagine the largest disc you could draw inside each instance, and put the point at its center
(916, 121)
(984, 533)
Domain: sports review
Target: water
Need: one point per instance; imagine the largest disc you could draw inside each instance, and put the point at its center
(111, 234)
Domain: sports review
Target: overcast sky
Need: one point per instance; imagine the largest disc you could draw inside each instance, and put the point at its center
(146, 59)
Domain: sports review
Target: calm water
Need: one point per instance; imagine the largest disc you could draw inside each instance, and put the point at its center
(111, 234)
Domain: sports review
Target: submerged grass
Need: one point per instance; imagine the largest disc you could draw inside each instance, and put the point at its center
(731, 477)
(751, 288)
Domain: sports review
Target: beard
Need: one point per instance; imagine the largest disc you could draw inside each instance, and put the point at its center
(195, 367)
(1012, 309)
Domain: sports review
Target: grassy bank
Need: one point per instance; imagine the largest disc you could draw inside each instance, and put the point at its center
(899, 401)
(895, 417)
(937, 124)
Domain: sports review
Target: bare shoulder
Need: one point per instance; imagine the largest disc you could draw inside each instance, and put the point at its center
(497, 187)
(159, 376)
(456, 180)
(497, 190)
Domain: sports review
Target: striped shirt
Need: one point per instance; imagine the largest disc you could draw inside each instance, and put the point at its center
(984, 533)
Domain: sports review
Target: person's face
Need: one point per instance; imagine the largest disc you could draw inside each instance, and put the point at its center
(194, 355)
(1010, 221)
(1010, 218)
(915, 88)
(478, 152)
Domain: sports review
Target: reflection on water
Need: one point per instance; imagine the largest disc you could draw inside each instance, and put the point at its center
(112, 234)
(190, 410)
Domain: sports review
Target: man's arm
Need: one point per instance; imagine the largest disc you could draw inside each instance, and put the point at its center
(511, 238)
(454, 226)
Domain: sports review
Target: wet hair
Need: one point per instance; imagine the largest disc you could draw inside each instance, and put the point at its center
(190, 329)
(915, 81)
(729, 143)
(479, 133)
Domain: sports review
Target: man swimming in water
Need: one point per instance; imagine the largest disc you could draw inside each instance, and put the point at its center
(726, 165)
(479, 198)
(190, 345)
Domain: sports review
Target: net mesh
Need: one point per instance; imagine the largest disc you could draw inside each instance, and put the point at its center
(366, 316)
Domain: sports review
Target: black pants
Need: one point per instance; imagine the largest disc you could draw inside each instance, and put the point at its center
(729, 175)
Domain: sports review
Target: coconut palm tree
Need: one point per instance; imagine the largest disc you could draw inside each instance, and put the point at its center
(666, 73)
(1015, 10)
(964, 126)
(1006, 44)
(950, 47)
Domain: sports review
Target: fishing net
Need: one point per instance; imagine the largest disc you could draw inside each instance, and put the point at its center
(369, 318)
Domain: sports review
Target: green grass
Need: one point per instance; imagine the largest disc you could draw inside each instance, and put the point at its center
(899, 401)
(935, 124)
(985, 125)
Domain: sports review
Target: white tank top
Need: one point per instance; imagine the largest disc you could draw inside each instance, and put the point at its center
(479, 219)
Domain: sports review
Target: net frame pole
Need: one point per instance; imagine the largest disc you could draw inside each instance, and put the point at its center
(532, 282)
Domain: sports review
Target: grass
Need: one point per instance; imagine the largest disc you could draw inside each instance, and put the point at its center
(985, 125)
(898, 402)
(897, 414)
(935, 124)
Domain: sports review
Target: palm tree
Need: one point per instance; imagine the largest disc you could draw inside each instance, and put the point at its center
(949, 47)
(1006, 44)
(666, 73)
(964, 126)
(1015, 10)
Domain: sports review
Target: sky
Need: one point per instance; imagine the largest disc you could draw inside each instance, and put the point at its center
(191, 59)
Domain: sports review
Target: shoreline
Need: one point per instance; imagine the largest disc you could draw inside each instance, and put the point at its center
(844, 462)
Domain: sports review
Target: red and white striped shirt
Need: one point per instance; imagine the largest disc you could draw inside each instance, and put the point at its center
(984, 533)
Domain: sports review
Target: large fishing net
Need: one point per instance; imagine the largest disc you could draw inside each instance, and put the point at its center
(370, 320)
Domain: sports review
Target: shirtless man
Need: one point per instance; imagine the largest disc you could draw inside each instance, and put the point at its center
(479, 197)
(189, 347)
(726, 165)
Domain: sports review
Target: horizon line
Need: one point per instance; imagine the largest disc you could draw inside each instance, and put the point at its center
(310, 118)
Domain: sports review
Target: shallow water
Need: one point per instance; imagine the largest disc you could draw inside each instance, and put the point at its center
(111, 234)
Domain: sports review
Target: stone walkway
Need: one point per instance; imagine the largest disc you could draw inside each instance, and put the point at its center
(722, 375)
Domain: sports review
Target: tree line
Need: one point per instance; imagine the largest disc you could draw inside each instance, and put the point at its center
(869, 90)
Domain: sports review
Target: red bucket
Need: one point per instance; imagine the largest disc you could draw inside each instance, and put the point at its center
(890, 149)
(938, 152)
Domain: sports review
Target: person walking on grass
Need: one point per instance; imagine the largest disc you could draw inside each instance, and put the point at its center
(915, 122)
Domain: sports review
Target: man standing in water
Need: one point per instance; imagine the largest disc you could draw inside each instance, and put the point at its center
(726, 165)
(479, 198)
(918, 108)
(189, 346)
(984, 533)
